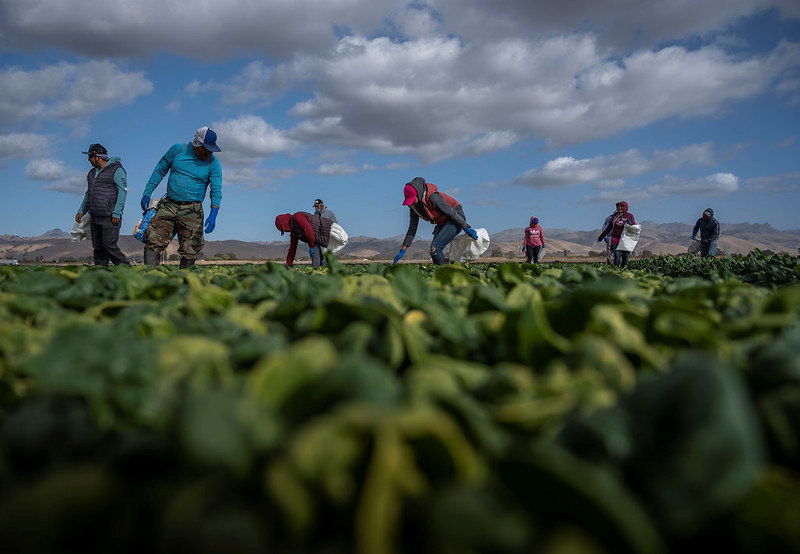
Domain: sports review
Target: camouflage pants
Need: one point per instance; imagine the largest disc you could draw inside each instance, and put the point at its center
(185, 220)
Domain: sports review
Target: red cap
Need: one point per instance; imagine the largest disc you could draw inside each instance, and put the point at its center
(410, 193)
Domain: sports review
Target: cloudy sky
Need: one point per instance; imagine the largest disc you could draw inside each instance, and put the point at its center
(514, 107)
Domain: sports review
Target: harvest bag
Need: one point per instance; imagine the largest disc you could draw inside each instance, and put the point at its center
(80, 230)
(337, 240)
(694, 246)
(141, 227)
(464, 249)
(629, 238)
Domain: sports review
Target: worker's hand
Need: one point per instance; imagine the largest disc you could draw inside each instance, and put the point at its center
(145, 203)
(694, 237)
(607, 239)
(599, 239)
(705, 241)
(400, 254)
(115, 221)
(78, 217)
(473, 234)
(211, 220)
(523, 248)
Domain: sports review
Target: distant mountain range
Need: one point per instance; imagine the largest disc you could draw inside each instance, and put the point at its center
(657, 238)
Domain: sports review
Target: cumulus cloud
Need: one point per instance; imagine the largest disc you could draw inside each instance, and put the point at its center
(247, 140)
(67, 90)
(203, 29)
(256, 177)
(22, 145)
(711, 185)
(258, 83)
(73, 184)
(609, 171)
(336, 169)
(46, 169)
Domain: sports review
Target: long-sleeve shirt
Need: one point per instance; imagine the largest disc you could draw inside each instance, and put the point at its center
(709, 230)
(189, 175)
(616, 225)
(456, 215)
(329, 214)
(301, 220)
(121, 180)
(534, 236)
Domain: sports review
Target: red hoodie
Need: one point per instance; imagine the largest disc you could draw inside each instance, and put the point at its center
(617, 224)
(534, 235)
(301, 230)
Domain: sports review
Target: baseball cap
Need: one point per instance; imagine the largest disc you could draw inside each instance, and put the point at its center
(206, 138)
(97, 149)
(410, 194)
(318, 201)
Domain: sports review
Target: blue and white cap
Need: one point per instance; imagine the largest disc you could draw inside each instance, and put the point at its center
(206, 138)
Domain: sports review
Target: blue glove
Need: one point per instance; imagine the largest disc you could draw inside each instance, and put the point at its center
(607, 239)
(211, 220)
(145, 203)
(694, 237)
(473, 234)
(400, 254)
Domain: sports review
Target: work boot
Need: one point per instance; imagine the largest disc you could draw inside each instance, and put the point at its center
(151, 257)
(186, 262)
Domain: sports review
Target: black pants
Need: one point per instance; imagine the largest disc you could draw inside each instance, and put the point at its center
(104, 242)
(533, 253)
(621, 257)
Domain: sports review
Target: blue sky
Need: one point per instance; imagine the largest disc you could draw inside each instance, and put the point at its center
(515, 107)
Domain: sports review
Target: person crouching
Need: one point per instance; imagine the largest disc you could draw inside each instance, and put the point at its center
(313, 229)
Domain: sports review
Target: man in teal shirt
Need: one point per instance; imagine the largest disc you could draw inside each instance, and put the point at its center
(193, 169)
(107, 187)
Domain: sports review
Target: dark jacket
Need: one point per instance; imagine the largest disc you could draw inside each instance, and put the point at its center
(617, 223)
(433, 206)
(102, 190)
(709, 230)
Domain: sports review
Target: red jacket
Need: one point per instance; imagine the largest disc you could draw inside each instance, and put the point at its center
(299, 225)
(427, 211)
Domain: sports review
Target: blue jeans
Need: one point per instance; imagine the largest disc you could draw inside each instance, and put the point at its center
(621, 257)
(316, 256)
(443, 235)
(708, 249)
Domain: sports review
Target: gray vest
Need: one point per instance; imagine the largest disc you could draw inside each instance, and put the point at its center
(321, 226)
(102, 190)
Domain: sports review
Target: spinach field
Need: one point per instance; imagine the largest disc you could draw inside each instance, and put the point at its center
(390, 409)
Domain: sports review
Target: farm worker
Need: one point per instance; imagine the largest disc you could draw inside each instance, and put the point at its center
(425, 201)
(107, 188)
(322, 211)
(313, 229)
(534, 241)
(709, 233)
(615, 226)
(192, 168)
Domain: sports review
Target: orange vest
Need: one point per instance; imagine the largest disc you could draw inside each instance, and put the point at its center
(426, 211)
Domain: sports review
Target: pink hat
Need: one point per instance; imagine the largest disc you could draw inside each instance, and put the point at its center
(410, 193)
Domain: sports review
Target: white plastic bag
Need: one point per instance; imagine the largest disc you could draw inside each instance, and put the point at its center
(694, 246)
(465, 249)
(337, 240)
(629, 237)
(80, 230)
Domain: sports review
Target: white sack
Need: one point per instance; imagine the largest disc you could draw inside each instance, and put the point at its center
(465, 249)
(337, 240)
(629, 237)
(694, 246)
(80, 230)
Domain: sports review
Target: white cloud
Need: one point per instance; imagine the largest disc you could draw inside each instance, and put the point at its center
(711, 185)
(22, 145)
(610, 170)
(335, 169)
(784, 182)
(46, 169)
(257, 83)
(73, 184)
(256, 177)
(247, 140)
(67, 91)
